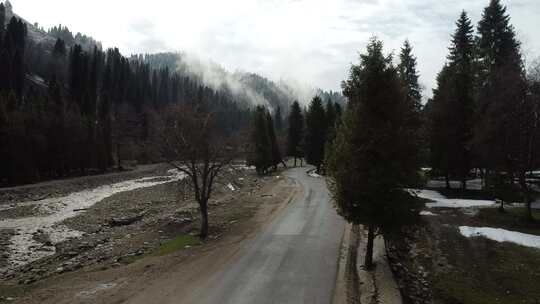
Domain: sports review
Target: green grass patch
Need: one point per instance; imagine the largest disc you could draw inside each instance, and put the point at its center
(178, 243)
(508, 195)
(465, 194)
(512, 219)
(484, 272)
(14, 291)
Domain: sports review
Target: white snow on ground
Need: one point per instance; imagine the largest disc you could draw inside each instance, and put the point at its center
(313, 174)
(501, 235)
(244, 167)
(441, 201)
(24, 249)
(231, 187)
(427, 213)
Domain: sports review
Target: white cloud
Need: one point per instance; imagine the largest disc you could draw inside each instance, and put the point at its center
(311, 41)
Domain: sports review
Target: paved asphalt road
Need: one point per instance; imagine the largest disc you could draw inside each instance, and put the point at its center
(294, 260)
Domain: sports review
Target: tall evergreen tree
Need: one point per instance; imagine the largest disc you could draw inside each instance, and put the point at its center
(440, 123)
(278, 120)
(295, 132)
(339, 112)
(372, 159)
(461, 65)
(331, 116)
(261, 146)
(500, 137)
(497, 43)
(2, 22)
(274, 147)
(409, 76)
(58, 61)
(14, 48)
(316, 129)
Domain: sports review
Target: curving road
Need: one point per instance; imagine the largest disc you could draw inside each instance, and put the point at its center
(294, 260)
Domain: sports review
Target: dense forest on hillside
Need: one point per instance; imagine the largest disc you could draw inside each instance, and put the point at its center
(69, 107)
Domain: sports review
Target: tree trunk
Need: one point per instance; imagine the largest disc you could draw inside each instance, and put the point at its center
(529, 211)
(447, 180)
(525, 194)
(203, 207)
(464, 182)
(483, 179)
(119, 165)
(295, 161)
(368, 261)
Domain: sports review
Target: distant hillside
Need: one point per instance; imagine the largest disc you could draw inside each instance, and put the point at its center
(245, 87)
(47, 38)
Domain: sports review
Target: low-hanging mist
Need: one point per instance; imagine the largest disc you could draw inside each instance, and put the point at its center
(244, 87)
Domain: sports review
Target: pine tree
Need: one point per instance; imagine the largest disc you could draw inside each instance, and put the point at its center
(316, 129)
(295, 132)
(278, 120)
(58, 61)
(14, 48)
(331, 118)
(497, 43)
(2, 23)
(501, 139)
(274, 147)
(409, 76)
(339, 112)
(372, 159)
(77, 73)
(261, 152)
(59, 50)
(461, 65)
(440, 123)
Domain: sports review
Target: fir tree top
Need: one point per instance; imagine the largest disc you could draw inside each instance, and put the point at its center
(409, 74)
(497, 43)
(462, 48)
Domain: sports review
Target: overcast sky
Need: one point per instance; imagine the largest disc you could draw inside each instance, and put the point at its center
(310, 41)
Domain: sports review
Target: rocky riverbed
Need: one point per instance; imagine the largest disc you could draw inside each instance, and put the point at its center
(107, 223)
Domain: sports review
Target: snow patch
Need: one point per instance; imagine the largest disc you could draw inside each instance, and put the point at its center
(231, 187)
(427, 213)
(244, 167)
(441, 201)
(313, 174)
(501, 235)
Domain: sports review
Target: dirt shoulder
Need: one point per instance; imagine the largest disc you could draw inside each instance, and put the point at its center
(113, 264)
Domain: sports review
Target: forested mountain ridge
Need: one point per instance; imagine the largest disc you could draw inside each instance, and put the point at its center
(67, 108)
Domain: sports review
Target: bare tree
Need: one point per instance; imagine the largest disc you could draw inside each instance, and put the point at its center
(193, 144)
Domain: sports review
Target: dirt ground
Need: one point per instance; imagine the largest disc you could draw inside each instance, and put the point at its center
(109, 264)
